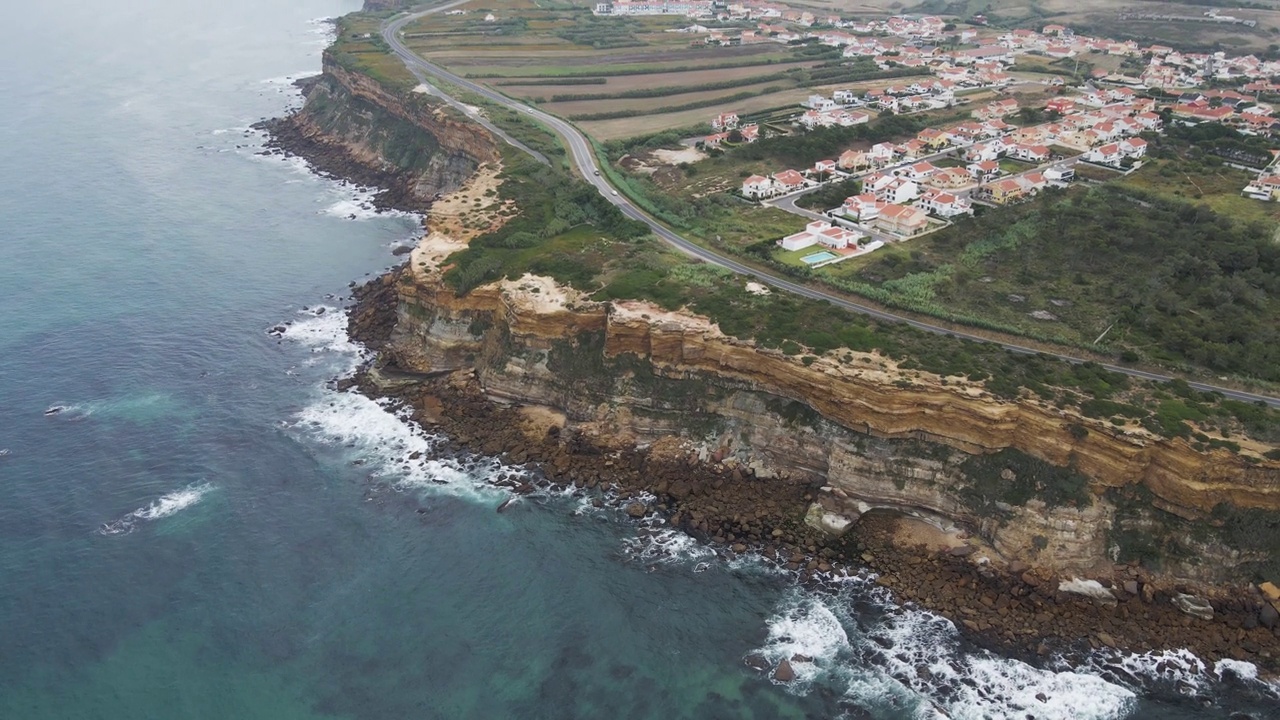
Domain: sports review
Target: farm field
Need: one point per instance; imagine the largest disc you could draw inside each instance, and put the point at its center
(625, 83)
(605, 130)
(561, 49)
(776, 88)
(541, 61)
(615, 129)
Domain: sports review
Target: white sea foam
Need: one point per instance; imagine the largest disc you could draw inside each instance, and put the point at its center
(288, 79)
(357, 208)
(357, 204)
(981, 686)
(374, 432)
(398, 451)
(235, 131)
(323, 330)
(325, 26)
(805, 626)
(666, 546)
(163, 507)
(294, 163)
(912, 659)
(1239, 668)
(1180, 668)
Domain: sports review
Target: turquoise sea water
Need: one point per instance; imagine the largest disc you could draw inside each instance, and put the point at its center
(206, 531)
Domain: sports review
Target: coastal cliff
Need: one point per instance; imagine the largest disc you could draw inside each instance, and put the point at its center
(980, 507)
(410, 146)
(1038, 483)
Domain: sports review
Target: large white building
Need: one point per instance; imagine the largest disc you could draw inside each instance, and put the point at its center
(823, 233)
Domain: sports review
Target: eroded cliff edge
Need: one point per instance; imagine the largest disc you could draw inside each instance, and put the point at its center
(411, 147)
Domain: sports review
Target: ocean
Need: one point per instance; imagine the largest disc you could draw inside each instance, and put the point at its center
(193, 524)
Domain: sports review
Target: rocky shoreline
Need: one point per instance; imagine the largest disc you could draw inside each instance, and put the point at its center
(395, 189)
(1016, 611)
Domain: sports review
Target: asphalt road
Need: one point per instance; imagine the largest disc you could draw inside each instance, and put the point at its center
(585, 161)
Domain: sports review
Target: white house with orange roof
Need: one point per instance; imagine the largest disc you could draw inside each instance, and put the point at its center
(1148, 121)
(945, 204)
(981, 152)
(1114, 153)
(811, 119)
(984, 171)
(919, 171)
(1133, 147)
(996, 109)
(865, 207)
(1030, 153)
(759, 186)
(789, 181)
(884, 153)
(824, 168)
(890, 188)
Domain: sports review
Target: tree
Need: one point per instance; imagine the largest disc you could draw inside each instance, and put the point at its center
(735, 136)
(1030, 115)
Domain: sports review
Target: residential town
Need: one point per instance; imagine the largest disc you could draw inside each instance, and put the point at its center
(912, 187)
(993, 158)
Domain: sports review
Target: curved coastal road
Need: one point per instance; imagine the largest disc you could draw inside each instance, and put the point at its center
(584, 160)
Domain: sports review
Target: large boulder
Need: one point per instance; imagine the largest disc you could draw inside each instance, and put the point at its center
(1193, 606)
(784, 672)
(1268, 616)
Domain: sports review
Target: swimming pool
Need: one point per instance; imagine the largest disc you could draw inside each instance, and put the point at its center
(818, 257)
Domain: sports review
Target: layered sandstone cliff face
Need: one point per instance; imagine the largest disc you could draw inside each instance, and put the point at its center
(873, 436)
(412, 146)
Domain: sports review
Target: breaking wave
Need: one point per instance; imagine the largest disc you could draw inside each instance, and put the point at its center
(881, 655)
(167, 505)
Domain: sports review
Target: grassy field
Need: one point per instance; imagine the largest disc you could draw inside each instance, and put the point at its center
(359, 47)
(1216, 185)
